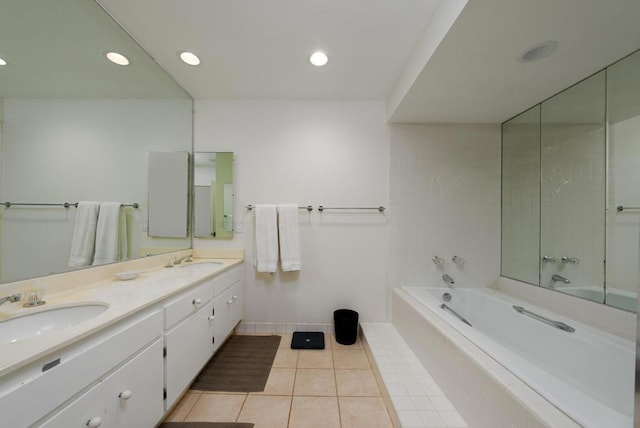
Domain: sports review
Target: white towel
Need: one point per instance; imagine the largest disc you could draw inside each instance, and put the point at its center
(289, 237)
(266, 239)
(110, 234)
(84, 234)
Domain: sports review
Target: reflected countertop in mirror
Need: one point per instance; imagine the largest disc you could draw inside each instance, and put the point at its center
(77, 127)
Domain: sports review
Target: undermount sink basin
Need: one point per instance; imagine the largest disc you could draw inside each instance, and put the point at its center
(26, 326)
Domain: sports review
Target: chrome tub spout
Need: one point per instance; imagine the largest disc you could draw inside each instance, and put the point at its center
(559, 278)
(447, 279)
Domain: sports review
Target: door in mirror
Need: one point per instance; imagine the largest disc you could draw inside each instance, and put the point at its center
(213, 195)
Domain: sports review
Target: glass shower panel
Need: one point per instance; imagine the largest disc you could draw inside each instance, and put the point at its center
(623, 225)
(573, 182)
(521, 197)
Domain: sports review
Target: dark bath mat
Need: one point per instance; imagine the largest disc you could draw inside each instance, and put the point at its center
(242, 364)
(206, 425)
(307, 340)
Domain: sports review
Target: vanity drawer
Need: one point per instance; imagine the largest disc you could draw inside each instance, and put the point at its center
(226, 280)
(187, 303)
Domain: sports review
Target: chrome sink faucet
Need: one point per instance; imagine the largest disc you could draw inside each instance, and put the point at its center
(187, 258)
(448, 280)
(13, 298)
(558, 278)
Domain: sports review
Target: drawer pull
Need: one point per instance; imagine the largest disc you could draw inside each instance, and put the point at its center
(196, 302)
(94, 422)
(235, 297)
(125, 395)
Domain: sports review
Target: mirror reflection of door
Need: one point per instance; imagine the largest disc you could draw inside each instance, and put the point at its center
(213, 195)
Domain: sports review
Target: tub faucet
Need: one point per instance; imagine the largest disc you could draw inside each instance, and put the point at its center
(447, 279)
(13, 298)
(187, 258)
(558, 278)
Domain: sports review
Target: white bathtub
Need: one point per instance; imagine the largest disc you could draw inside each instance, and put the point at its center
(588, 374)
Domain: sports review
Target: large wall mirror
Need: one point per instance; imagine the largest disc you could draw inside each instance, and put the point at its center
(77, 127)
(213, 195)
(570, 206)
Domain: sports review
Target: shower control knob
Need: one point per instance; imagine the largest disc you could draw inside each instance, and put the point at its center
(457, 260)
(125, 395)
(438, 260)
(573, 260)
(94, 422)
(547, 259)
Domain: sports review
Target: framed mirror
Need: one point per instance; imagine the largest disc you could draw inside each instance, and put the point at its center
(213, 195)
(77, 127)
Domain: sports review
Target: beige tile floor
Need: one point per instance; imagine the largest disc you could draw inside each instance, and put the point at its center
(330, 388)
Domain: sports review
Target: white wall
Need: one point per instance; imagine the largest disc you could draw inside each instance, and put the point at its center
(445, 200)
(72, 150)
(331, 153)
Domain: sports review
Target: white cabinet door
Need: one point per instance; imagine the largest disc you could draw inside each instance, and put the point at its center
(189, 346)
(237, 308)
(86, 411)
(228, 310)
(134, 392)
(222, 308)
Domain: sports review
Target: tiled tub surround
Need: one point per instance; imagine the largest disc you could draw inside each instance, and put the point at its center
(98, 284)
(484, 392)
(412, 395)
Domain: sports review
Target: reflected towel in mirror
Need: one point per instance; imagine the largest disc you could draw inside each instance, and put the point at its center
(84, 234)
(111, 234)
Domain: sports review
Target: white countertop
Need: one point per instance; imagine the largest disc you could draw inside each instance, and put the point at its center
(125, 298)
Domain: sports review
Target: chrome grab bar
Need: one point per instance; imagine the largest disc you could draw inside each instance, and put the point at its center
(556, 324)
(447, 308)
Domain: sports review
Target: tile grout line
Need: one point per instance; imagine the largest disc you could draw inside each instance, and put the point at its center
(335, 379)
(244, 400)
(184, 419)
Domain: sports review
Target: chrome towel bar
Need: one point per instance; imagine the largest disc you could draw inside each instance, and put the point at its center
(557, 324)
(64, 204)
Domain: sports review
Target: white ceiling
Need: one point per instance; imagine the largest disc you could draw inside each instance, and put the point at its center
(474, 76)
(426, 59)
(260, 49)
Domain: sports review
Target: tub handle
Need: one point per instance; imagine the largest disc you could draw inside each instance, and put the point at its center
(457, 315)
(557, 324)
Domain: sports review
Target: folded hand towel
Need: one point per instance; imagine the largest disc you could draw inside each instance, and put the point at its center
(266, 239)
(289, 237)
(108, 234)
(84, 234)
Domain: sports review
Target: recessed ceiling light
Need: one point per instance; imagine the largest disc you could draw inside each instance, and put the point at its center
(2, 61)
(117, 58)
(318, 59)
(538, 51)
(189, 58)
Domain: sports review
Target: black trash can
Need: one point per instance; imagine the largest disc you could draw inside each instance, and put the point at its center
(346, 325)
